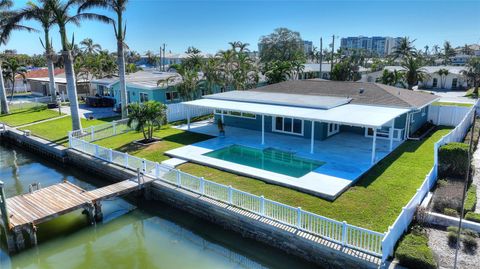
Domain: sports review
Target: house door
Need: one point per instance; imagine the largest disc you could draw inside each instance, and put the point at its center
(333, 129)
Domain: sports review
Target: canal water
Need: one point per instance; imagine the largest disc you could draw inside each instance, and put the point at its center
(134, 233)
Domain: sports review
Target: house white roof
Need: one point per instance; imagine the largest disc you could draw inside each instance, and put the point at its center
(430, 69)
(349, 114)
(143, 79)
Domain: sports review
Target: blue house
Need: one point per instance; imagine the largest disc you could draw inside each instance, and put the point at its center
(316, 136)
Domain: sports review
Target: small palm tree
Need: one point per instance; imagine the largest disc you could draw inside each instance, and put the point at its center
(13, 69)
(89, 47)
(443, 73)
(472, 73)
(448, 52)
(6, 29)
(147, 117)
(120, 29)
(61, 15)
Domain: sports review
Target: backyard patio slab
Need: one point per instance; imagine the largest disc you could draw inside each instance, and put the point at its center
(346, 155)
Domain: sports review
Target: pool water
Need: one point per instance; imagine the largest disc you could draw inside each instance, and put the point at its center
(270, 159)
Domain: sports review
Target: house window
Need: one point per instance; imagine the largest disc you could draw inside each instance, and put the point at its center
(236, 114)
(454, 83)
(333, 129)
(435, 82)
(143, 97)
(288, 125)
(171, 96)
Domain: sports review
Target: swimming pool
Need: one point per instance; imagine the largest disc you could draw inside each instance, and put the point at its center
(270, 159)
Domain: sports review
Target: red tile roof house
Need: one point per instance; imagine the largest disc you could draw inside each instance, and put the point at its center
(38, 81)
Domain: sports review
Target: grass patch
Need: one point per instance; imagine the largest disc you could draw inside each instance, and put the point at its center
(26, 116)
(451, 104)
(57, 130)
(470, 94)
(171, 138)
(373, 202)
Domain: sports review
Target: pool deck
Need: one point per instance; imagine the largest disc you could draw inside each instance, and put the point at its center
(347, 156)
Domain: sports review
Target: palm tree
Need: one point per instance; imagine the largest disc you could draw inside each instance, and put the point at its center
(11, 69)
(147, 117)
(118, 7)
(472, 73)
(211, 74)
(393, 78)
(42, 15)
(60, 10)
(413, 71)
(448, 52)
(404, 48)
(443, 73)
(467, 50)
(89, 47)
(5, 31)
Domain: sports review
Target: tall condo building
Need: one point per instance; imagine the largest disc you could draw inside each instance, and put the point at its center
(380, 45)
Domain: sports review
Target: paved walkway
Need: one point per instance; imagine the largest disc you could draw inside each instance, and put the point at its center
(451, 96)
(96, 112)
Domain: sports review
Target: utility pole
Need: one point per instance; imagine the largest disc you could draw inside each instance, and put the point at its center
(333, 46)
(321, 58)
(163, 56)
(160, 60)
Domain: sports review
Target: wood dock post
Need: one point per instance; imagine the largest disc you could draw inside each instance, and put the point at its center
(89, 210)
(6, 220)
(98, 211)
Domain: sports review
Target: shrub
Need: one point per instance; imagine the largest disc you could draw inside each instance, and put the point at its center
(453, 160)
(472, 216)
(469, 243)
(442, 183)
(471, 200)
(413, 252)
(448, 195)
(463, 231)
(452, 238)
(450, 212)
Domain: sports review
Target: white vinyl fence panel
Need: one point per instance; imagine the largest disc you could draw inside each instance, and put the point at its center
(406, 215)
(180, 111)
(447, 115)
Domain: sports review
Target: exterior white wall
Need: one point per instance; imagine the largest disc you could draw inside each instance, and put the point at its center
(461, 82)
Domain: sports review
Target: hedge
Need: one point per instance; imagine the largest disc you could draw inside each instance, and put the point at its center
(471, 216)
(453, 160)
(471, 200)
(413, 252)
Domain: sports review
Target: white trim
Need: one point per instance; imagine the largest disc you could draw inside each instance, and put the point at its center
(397, 134)
(227, 113)
(274, 125)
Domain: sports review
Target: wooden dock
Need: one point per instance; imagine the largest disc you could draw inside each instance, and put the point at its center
(24, 212)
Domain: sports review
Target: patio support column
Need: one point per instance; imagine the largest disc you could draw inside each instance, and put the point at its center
(263, 129)
(391, 134)
(373, 144)
(188, 118)
(312, 137)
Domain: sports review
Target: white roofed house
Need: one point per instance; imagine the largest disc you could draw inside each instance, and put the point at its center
(316, 136)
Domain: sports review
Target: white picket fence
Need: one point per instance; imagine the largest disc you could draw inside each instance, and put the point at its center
(336, 231)
(180, 111)
(447, 115)
(403, 220)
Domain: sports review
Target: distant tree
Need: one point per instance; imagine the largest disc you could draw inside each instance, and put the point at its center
(394, 78)
(467, 50)
(277, 71)
(404, 48)
(194, 59)
(89, 47)
(152, 59)
(12, 68)
(448, 52)
(443, 73)
(132, 57)
(147, 117)
(472, 74)
(345, 70)
(413, 71)
(132, 68)
(281, 45)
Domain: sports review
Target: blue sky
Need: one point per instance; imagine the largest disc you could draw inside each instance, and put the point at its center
(210, 25)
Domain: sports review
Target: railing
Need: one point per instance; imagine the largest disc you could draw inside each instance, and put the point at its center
(180, 111)
(98, 132)
(406, 215)
(342, 233)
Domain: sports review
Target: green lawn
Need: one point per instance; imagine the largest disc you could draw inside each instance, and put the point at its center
(57, 130)
(171, 138)
(451, 104)
(26, 116)
(373, 202)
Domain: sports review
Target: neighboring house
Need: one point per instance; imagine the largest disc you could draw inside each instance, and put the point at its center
(335, 130)
(453, 81)
(22, 85)
(40, 86)
(142, 86)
